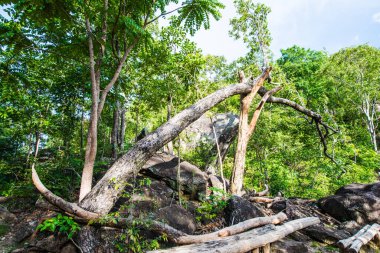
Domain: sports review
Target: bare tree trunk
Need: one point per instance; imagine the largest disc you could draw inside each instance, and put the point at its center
(369, 110)
(168, 117)
(122, 129)
(37, 144)
(245, 132)
(115, 132)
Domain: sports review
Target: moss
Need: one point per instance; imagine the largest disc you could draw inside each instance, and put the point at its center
(3, 229)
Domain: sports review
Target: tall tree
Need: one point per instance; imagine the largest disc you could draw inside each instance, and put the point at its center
(355, 73)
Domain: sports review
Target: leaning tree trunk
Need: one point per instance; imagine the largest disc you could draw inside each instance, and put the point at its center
(105, 193)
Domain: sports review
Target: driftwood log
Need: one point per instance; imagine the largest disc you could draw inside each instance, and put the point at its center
(354, 243)
(232, 230)
(246, 241)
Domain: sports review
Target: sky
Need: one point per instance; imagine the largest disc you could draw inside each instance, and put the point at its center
(317, 24)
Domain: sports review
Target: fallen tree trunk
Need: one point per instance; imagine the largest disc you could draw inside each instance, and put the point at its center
(246, 241)
(261, 200)
(364, 238)
(232, 230)
(343, 244)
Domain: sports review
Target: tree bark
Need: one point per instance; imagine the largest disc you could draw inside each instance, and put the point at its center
(245, 132)
(364, 238)
(245, 242)
(115, 132)
(123, 126)
(105, 193)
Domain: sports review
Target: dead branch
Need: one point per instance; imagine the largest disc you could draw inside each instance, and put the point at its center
(232, 230)
(317, 118)
(261, 200)
(247, 241)
(264, 192)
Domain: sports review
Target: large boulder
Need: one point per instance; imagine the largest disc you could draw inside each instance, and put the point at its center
(164, 167)
(239, 209)
(358, 202)
(177, 217)
(199, 138)
(201, 131)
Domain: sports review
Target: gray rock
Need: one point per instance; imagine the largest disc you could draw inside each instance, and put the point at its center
(177, 217)
(164, 167)
(239, 209)
(289, 246)
(358, 202)
(6, 216)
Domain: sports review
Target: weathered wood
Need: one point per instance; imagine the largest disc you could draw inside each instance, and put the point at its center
(245, 242)
(263, 193)
(266, 248)
(342, 244)
(364, 238)
(232, 230)
(261, 200)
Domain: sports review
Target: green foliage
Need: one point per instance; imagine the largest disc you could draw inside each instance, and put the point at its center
(213, 205)
(132, 240)
(251, 25)
(60, 224)
(195, 13)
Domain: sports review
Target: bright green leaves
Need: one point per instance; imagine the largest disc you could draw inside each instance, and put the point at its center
(251, 25)
(196, 13)
(61, 224)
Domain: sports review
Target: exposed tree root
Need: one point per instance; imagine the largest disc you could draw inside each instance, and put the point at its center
(70, 208)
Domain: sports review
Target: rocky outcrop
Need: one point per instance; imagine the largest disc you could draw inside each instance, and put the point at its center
(164, 167)
(358, 202)
(240, 209)
(177, 217)
(199, 137)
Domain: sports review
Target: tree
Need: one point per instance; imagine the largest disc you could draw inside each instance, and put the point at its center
(354, 72)
(252, 25)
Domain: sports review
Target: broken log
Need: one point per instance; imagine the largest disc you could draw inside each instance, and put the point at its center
(245, 242)
(232, 230)
(264, 192)
(342, 244)
(364, 238)
(261, 200)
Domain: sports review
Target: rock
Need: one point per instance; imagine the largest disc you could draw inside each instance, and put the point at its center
(164, 167)
(350, 226)
(199, 138)
(289, 246)
(69, 248)
(147, 200)
(324, 234)
(201, 132)
(177, 217)
(6, 216)
(239, 209)
(27, 230)
(358, 202)
(52, 243)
